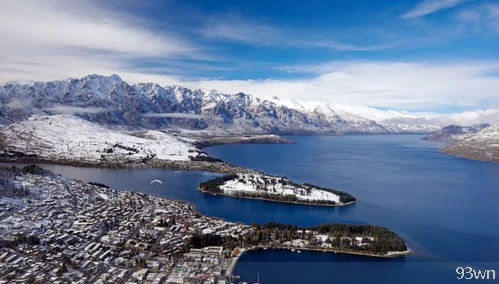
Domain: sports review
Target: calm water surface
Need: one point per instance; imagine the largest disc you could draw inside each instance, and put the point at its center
(446, 208)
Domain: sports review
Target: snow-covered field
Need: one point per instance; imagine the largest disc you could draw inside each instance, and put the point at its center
(69, 137)
(263, 184)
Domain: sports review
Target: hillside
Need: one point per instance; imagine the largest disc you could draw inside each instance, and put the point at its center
(67, 137)
(454, 133)
(483, 145)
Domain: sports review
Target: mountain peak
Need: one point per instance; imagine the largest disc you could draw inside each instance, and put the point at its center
(20, 82)
(113, 77)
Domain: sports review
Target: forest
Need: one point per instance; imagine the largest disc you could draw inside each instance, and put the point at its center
(341, 236)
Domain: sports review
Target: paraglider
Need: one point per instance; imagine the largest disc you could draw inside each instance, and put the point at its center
(156, 181)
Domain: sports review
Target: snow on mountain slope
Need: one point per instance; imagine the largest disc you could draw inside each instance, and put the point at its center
(72, 138)
(453, 133)
(482, 145)
(359, 119)
(110, 100)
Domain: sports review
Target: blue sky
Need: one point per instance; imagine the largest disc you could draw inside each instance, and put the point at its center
(426, 55)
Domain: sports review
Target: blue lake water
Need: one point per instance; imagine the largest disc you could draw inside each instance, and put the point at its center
(446, 208)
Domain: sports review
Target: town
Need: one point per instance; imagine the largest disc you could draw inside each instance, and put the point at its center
(55, 229)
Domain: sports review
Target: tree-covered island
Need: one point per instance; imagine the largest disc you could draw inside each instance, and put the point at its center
(273, 188)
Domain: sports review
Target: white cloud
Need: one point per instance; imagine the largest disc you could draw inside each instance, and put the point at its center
(19, 103)
(429, 7)
(238, 29)
(175, 115)
(64, 109)
(483, 18)
(347, 47)
(259, 34)
(469, 118)
(47, 25)
(51, 39)
(381, 84)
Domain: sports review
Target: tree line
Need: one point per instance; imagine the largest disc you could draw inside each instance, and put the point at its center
(341, 237)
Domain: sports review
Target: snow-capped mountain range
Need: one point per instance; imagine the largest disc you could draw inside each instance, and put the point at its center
(111, 101)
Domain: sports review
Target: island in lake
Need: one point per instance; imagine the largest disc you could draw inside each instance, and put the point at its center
(281, 189)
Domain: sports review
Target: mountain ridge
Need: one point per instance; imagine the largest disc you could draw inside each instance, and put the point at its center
(110, 100)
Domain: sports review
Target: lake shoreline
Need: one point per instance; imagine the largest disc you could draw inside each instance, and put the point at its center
(326, 250)
(233, 262)
(215, 167)
(479, 157)
(207, 141)
(242, 251)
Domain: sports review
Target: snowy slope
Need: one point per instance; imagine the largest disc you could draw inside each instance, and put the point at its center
(453, 133)
(482, 145)
(70, 137)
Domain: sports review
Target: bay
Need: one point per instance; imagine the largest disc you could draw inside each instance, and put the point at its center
(446, 208)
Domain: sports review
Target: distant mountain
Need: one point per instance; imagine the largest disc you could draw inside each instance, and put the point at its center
(482, 145)
(454, 133)
(111, 101)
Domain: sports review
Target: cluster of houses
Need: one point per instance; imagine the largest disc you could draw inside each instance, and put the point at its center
(67, 230)
(206, 265)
